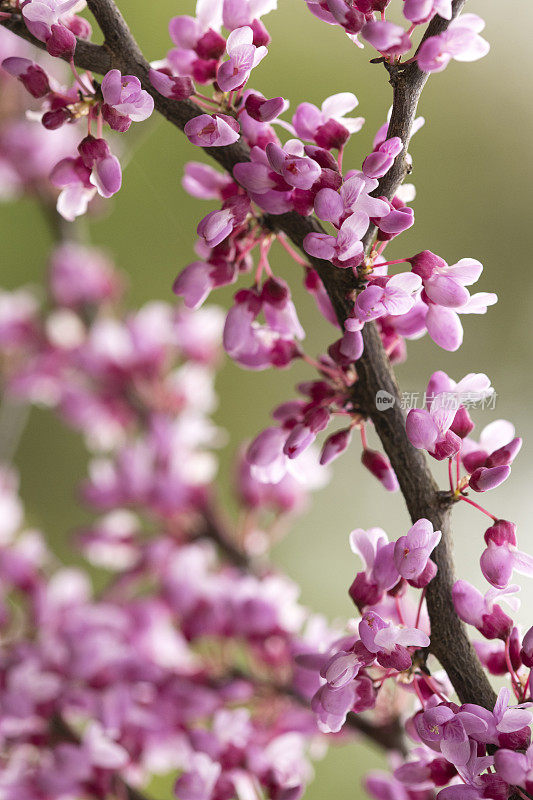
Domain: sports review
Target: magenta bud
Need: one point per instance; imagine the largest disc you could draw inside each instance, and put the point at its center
(168, 85)
(264, 110)
(505, 455)
(261, 35)
(62, 42)
(462, 423)
(335, 445)
(331, 135)
(92, 150)
(317, 419)
(275, 293)
(210, 45)
(54, 119)
(474, 460)
(425, 262)
(299, 439)
(380, 467)
(484, 479)
(441, 771)
(363, 592)
(501, 533)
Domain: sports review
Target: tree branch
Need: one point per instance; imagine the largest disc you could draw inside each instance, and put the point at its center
(449, 641)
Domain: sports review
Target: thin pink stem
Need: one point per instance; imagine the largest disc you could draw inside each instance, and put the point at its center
(458, 468)
(479, 508)
(339, 158)
(399, 610)
(99, 125)
(450, 475)
(333, 373)
(517, 686)
(363, 436)
(78, 79)
(293, 254)
(420, 604)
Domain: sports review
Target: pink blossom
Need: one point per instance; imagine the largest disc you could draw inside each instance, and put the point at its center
(354, 195)
(31, 75)
(208, 130)
(346, 249)
(412, 552)
(443, 284)
(421, 11)
(218, 225)
(45, 20)
(169, 85)
(380, 467)
(395, 296)
(203, 181)
(461, 41)
(380, 574)
(386, 37)
(482, 611)
(124, 100)
(389, 641)
(502, 556)
(297, 170)
(243, 57)
(328, 126)
(515, 768)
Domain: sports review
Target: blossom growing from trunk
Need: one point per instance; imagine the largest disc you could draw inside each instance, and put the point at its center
(461, 41)
(380, 574)
(390, 642)
(328, 126)
(482, 611)
(46, 19)
(421, 11)
(345, 249)
(412, 552)
(394, 295)
(212, 130)
(388, 38)
(515, 768)
(243, 57)
(124, 100)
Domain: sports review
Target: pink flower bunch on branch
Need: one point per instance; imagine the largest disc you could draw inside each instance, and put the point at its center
(197, 658)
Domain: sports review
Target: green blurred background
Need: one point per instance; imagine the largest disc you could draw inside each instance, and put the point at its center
(473, 172)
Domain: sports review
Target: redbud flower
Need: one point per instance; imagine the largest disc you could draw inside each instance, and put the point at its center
(328, 126)
(386, 37)
(124, 100)
(346, 248)
(31, 75)
(203, 181)
(482, 611)
(198, 279)
(335, 445)
(443, 284)
(43, 19)
(263, 110)
(380, 467)
(354, 195)
(381, 160)
(421, 11)
(461, 41)
(395, 296)
(176, 87)
(74, 178)
(217, 225)
(412, 552)
(208, 130)
(106, 174)
(243, 57)
(380, 575)
(297, 170)
(442, 728)
(389, 641)
(515, 768)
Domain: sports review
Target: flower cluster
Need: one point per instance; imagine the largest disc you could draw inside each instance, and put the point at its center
(195, 658)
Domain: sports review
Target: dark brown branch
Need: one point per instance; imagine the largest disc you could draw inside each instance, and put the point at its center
(450, 642)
